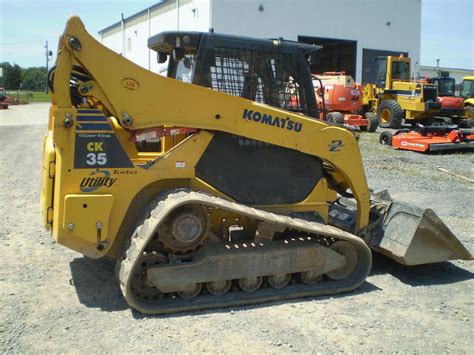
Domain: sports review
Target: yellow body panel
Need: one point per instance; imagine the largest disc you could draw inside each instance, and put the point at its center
(154, 101)
(87, 216)
(47, 176)
(469, 101)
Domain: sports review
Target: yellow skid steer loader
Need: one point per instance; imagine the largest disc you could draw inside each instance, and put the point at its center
(219, 191)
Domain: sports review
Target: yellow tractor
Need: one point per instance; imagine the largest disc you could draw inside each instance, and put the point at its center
(215, 190)
(467, 92)
(395, 97)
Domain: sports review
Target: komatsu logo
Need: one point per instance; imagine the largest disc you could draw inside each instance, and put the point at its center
(280, 122)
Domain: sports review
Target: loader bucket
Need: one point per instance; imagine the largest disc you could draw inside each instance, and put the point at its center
(414, 236)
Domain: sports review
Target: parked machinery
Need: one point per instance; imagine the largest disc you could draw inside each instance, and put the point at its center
(426, 139)
(395, 97)
(451, 105)
(339, 100)
(467, 92)
(3, 99)
(256, 202)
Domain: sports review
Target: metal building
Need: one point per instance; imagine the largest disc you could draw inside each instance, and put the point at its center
(353, 32)
(456, 73)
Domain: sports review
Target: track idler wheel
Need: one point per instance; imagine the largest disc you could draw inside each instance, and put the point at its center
(279, 280)
(250, 284)
(350, 253)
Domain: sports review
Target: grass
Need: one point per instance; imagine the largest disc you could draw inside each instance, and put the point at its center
(29, 96)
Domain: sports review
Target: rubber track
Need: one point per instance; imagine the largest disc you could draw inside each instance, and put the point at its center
(145, 232)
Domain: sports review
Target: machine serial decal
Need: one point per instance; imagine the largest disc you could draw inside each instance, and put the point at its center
(96, 180)
(287, 123)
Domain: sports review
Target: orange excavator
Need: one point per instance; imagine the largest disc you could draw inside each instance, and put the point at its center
(452, 106)
(339, 100)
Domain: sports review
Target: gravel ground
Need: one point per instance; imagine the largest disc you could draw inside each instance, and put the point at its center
(55, 300)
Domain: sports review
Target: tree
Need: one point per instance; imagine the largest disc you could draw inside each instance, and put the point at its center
(33, 78)
(11, 76)
(6, 71)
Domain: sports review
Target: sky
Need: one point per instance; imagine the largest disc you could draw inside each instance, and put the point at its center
(447, 33)
(25, 25)
(447, 27)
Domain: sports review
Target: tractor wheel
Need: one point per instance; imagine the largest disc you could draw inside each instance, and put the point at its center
(390, 114)
(335, 118)
(372, 122)
(385, 138)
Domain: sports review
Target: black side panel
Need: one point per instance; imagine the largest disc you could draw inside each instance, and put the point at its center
(254, 172)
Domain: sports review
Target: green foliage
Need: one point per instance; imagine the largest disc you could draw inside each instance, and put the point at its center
(11, 76)
(6, 70)
(33, 78)
(13, 79)
(30, 78)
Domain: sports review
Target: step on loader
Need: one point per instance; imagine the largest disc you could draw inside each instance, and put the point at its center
(218, 191)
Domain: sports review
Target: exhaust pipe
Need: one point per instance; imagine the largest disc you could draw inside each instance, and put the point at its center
(414, 236)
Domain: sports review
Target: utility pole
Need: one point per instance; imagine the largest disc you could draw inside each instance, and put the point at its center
(177, 15)
(47, 54)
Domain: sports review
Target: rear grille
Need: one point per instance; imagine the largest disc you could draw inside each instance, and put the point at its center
(429, 94)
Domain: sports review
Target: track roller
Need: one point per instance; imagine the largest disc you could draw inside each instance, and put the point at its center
(250, 284)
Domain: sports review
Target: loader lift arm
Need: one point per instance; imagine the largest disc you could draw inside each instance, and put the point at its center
(139, 99)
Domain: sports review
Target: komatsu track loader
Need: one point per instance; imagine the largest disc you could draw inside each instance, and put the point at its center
(217, 191)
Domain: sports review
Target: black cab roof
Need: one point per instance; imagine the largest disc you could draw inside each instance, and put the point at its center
(164, 42)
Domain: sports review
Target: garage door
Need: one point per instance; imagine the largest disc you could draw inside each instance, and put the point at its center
(336, 55)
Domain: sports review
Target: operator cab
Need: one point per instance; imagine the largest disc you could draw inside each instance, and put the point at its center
(446, 85)
(398, 67)
(270, 71)
(467, 89)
